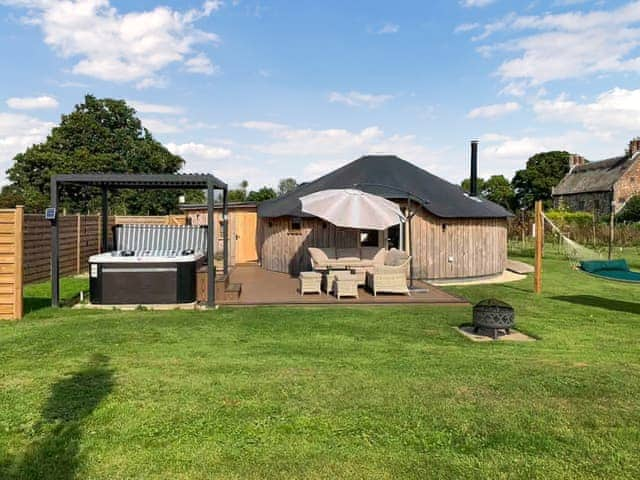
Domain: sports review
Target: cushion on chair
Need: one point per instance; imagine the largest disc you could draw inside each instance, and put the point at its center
(395, 258)
(348, 254)
(374, 254)
(318, 255)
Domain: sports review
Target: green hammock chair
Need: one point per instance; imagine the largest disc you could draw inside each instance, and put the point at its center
(616, 270)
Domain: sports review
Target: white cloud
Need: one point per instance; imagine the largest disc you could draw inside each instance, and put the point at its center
(143, 107)
(116, 47)
(326, 149)
(32, 103)
(261, 126)
(574, 44)
(157, 126)
(475, 3)
(17, 132)
(359, 99)
(216, 159)
(466, 27)
(494, 111)
(388, 28)
(201, 64)
(614, 112)
(199, 150)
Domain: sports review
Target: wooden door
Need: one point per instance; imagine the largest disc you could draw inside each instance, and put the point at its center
(246, 227)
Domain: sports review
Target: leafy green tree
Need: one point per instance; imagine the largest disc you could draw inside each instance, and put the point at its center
(466, 184)
(286, 185)
(238, 194)
(499, 190)
(543, 172)
(99, 136)
(265, 193)
(10, 197)
(630, 213)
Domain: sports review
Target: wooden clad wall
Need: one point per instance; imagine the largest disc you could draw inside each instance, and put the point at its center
(236, 228)
(11, 255)
(458, 248)
(477, 247)
(79, 238)
(282, 250)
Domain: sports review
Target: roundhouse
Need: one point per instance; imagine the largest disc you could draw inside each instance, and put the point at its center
(453, 235)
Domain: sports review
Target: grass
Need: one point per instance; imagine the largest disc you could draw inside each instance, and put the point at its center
(326, 392)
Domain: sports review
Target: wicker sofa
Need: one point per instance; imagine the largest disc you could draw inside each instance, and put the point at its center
(336, 258)
(379, 269)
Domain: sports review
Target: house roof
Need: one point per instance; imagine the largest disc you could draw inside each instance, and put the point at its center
(394, 178)
(594, 176)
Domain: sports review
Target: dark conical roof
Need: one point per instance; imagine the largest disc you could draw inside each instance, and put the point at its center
(390, 177)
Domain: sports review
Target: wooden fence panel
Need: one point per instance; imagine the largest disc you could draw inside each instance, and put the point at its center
(11, 260)
(79, 238)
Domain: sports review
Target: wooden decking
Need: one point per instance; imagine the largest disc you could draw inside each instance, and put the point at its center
(261, 287)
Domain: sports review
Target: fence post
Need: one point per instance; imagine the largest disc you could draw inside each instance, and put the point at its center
(78, 221)
(18, 308)
(537, 281)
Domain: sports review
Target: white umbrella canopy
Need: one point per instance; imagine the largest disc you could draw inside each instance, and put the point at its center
(350, 208)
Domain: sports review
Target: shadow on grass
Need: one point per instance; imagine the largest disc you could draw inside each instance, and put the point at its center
(55, 454)
(31, 304)
(601, 302)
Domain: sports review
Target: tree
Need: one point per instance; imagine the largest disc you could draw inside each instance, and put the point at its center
(10, 197)
(499, 190)
(543, 172)
(99, 136)
(466, 184)
(265, 193)
(286, 185)
(238, 194)
(630, 212)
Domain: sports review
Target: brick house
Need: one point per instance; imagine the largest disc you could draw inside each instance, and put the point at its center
(596, 186)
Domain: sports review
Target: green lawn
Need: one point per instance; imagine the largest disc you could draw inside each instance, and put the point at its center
(380, 392)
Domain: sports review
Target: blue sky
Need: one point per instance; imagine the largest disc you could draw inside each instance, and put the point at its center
(261, 90)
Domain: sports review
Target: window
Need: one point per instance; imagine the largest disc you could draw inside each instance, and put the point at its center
(368, 238)
(295, 225)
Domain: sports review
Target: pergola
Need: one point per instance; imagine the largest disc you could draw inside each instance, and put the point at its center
(116, 181)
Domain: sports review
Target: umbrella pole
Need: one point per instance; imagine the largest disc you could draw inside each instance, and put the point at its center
(410, 244)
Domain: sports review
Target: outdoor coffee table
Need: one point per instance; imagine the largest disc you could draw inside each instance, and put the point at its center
(343, 283)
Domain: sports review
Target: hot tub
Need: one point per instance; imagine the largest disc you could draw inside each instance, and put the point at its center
(149, 277)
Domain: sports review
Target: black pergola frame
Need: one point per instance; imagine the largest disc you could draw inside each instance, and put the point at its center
(117, 181)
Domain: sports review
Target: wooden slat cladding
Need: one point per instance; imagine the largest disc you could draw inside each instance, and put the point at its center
(11, 261)
(236, 228)
(79, 238)
(78, 241)
(442, 248)
(458, 248)
(284, 250)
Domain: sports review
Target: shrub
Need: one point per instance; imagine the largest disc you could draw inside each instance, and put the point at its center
(631, 211)
(565, 218)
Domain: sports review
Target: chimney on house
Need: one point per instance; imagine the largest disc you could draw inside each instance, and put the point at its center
(634, 146)
(576, 160)
(473, 188)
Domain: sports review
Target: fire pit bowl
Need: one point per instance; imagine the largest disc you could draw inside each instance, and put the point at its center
(492, 314)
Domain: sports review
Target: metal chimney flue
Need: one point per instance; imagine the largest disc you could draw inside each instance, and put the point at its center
(473, 188)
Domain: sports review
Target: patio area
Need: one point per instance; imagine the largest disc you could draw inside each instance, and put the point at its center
(262, 287)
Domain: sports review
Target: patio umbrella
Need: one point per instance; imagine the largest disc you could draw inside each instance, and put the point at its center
(350, 208)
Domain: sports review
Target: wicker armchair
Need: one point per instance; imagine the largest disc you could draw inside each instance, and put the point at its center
(392, 276)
